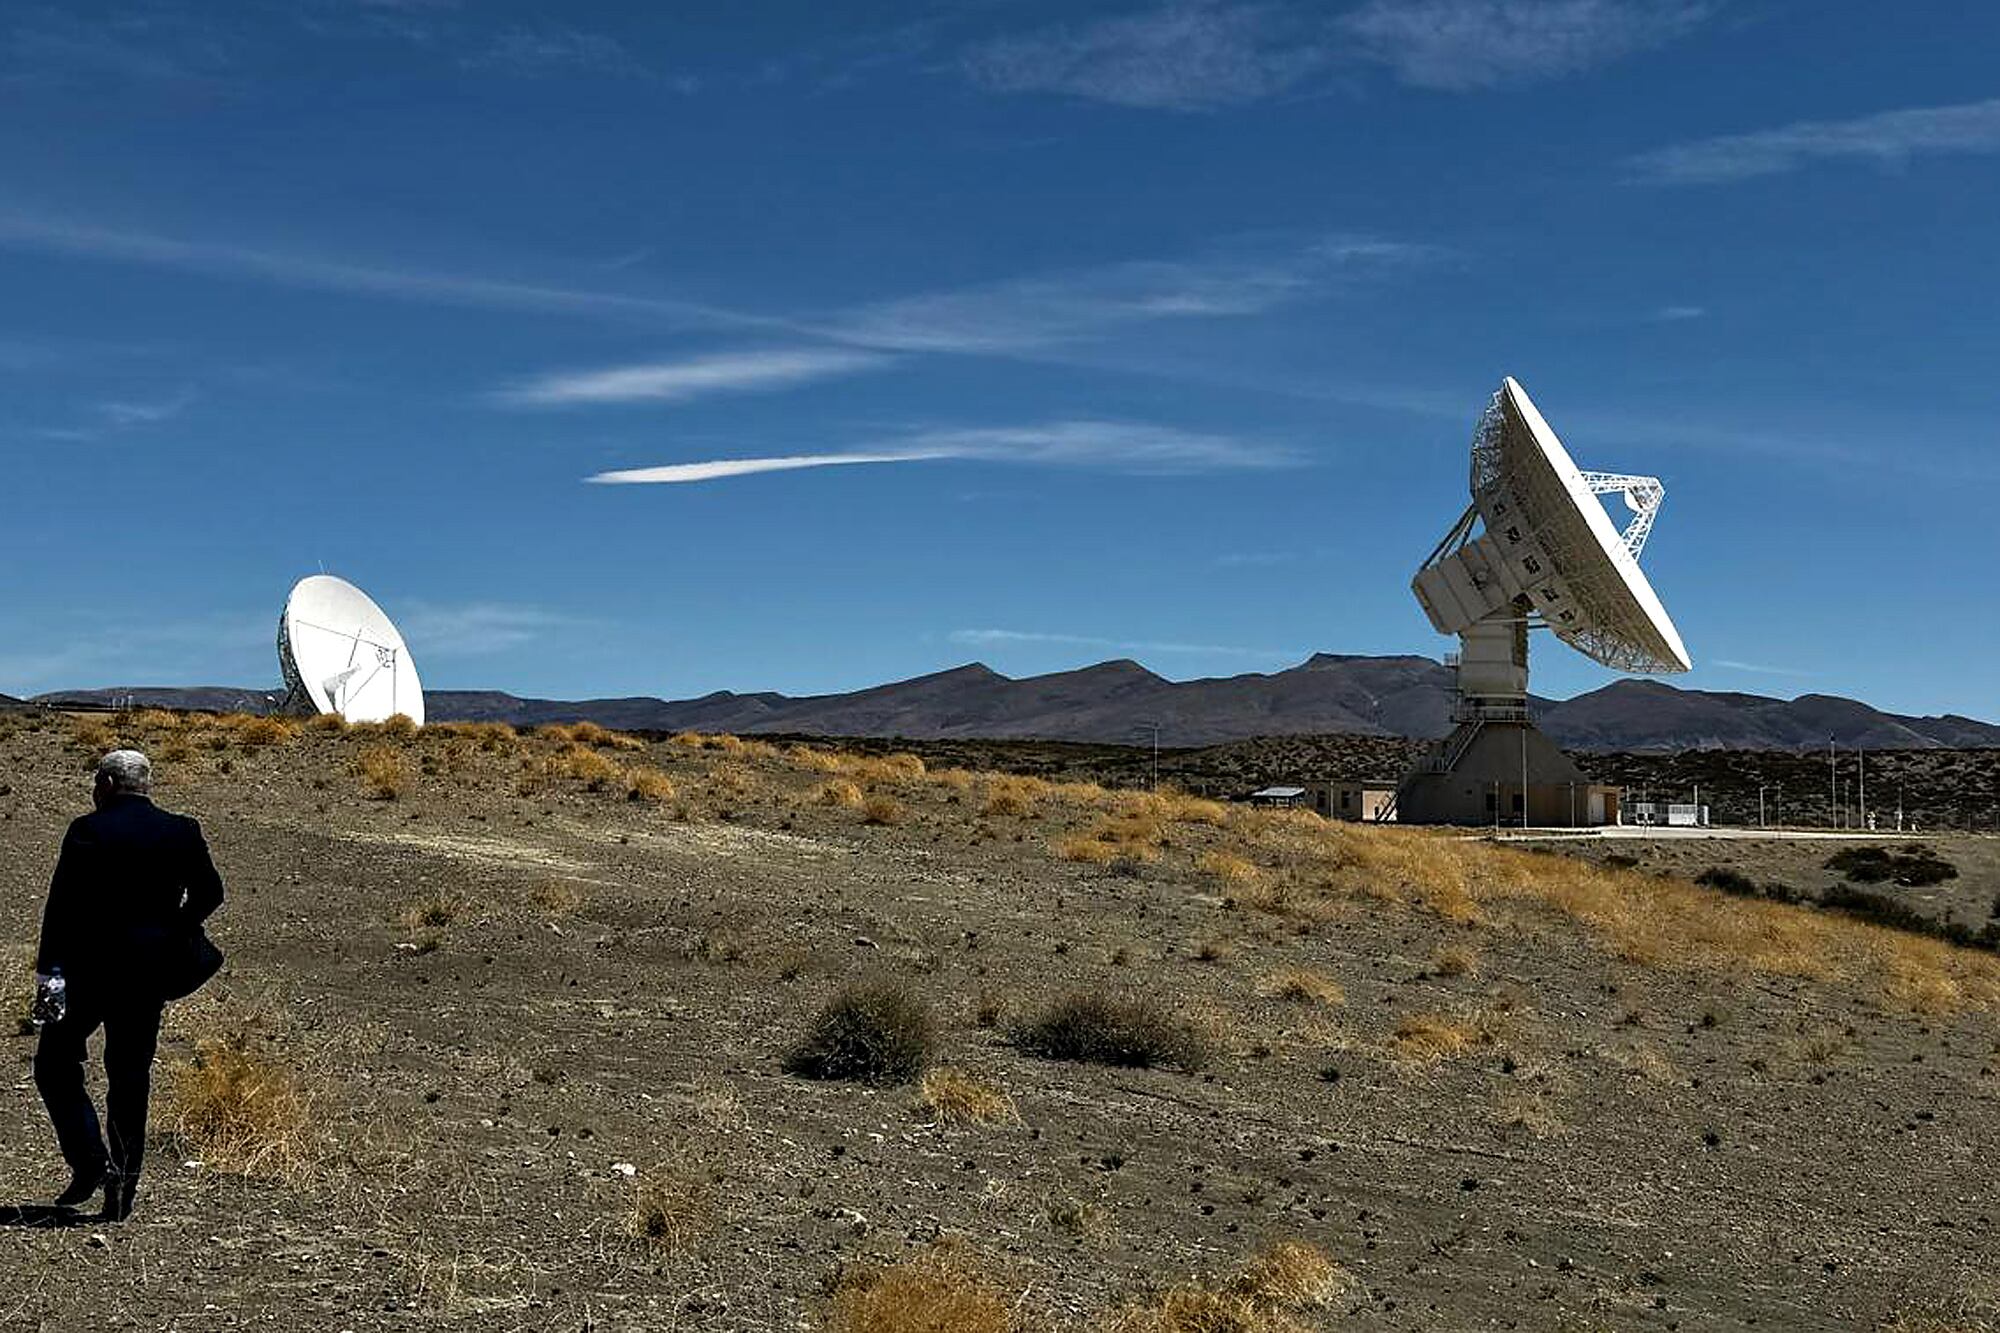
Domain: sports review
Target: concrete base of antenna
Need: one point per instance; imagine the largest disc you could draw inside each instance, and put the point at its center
(1492, 771)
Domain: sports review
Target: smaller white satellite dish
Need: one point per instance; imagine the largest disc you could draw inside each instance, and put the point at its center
(341, 654)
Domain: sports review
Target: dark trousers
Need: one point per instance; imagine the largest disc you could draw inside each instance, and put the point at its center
(131, 1032)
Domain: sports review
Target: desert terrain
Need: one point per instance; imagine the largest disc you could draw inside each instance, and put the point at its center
(513, 1036)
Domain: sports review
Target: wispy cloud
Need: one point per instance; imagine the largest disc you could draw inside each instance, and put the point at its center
(987, 638)
(1461, 45)
(19, 231)
(543, 51)
(1255, 559)
(1676, 314)
(1185, 57)
(1756, 668)
(1885, 139)
(716, 469)
(146, 412)
(476, 629)
(1105, 445)
(1246, 279)
(679, 381)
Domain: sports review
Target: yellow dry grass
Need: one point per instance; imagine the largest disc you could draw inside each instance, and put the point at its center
(1302, 985)
(673, 1208)
(326, 723)
(1013, 796)
(556, 897)
(581, 763)
(938, 1291)
(1266, 1295)
(1083, 849)
(1428, 1039)
(955, 1097)
(1641, 918)
(1231, 869)
(235, 1110)
(837, 792)
(1455, 960)
(648, 784)
(384, 772)
(881, 808)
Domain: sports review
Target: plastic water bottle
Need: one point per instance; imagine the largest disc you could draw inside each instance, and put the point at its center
(51, 1000)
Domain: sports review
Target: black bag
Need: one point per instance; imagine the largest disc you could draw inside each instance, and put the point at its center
(189, 968)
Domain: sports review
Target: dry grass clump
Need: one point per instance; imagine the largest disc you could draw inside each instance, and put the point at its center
(400, 726)
(491, 737)
(1178, 807)
(1264, 1296)
(954, 1097)
(938, 1291)
(869, 1032)
(1093, 1028)
(1083, 848)
(255, 732)
(882, 809)
(237, 1111)
(1016, 796)
(812, 759)
(326, 723)
(672, 1209)
(93, 736)
(556, 897)
(1228, 867)
(384, 772)
(156, 720)
(581, 763)
(839, 793)
(1428, 1039)
(885, 767)
(1455, 960)
(1302, 985)
(954, 779)
(589, 733)
(648, 784)
(433, 911)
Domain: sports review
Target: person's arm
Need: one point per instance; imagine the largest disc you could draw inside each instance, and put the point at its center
(202, 884)
(59, 915)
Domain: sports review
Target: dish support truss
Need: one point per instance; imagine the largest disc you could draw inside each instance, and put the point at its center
(1642, 496)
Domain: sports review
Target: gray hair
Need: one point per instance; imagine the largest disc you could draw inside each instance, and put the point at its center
(126, 771)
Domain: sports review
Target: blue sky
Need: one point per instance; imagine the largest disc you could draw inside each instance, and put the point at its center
(1165, 325)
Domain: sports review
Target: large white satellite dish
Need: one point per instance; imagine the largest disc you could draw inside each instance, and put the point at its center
(1535, 549)
(341, 654)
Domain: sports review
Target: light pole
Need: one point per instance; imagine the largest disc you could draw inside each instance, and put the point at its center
(1832, 786)
(1156, 753)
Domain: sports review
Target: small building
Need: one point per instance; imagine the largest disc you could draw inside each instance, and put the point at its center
(1280, 798)
(1366, 802)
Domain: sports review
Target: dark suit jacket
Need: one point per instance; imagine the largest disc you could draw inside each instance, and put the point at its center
(131, 885)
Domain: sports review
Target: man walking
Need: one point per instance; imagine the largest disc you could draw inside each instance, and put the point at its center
(131, 889)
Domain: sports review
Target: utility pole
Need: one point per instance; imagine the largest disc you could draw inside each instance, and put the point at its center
(1832, 786)
(1760, 805)
(1861, 783)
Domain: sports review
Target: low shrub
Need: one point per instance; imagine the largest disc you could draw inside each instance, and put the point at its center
(882, 809)
(648, 784)
(672, 1209)
(1303, 985)
(1093, 1028)
(384, 772)
(1726, 880)
(235, 1110)
(935, 1292)
(954, 1097)
(1914, 866)
(869, 1032)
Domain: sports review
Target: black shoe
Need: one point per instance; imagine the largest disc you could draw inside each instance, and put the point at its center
(118, 1192)
(82, 1185)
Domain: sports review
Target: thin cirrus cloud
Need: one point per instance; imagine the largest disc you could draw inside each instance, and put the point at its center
(1185, 57)
(1465, 45)
(989, 638)
(1103, 445)
(28, 232)
(696, 377)
(1199, 57)
(1884, 139)
(475, 629)
(1021, 314)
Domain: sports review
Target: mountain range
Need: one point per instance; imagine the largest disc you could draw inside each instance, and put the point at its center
(1122, 702)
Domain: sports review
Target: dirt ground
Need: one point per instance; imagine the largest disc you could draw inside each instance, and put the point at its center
(503, 986)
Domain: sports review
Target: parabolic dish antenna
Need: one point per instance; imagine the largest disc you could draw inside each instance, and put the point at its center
(1535, 549)
(341, 654)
